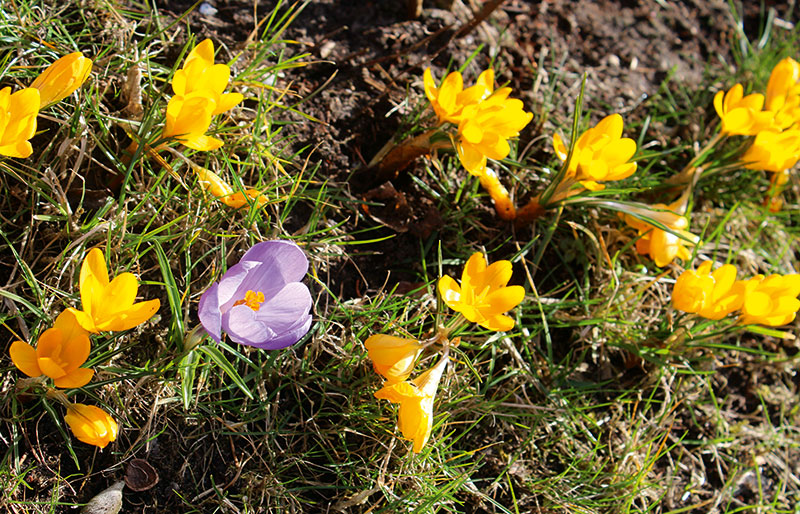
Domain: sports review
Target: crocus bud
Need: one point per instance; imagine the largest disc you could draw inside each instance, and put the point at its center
(91, 425)
(62, 77)
(392, 357)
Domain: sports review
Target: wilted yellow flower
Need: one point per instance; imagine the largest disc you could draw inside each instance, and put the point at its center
(392, 357)
(741, 115)
(601, 154)
(662, 246)
(109, 305)
(91, 425)
(188, 119)
(200, 75)
(18, 113)
(485, 128)
(62, 77)
(60, 352)
(449, 100)
(770, 301)
(783, 94)
(502, 201)
(223, 191)
(773, 151)
(415, 416)
(710, 295)
(483, 295)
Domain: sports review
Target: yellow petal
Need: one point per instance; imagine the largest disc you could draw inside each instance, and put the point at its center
(202, 143)
(24, 358)
(450, 291)
(84, 320)
(559, 147)
(498, 323)
(506, 298)
(227, 102)
(69, 326)
(131, 317)
(51, 367)
(76, 378)
(93, 280)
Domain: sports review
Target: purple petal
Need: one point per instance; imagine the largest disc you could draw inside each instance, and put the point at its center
(209, 313)
(242, 326)
(281, 261)
(289, 337)
(282, 311)
(230, 284)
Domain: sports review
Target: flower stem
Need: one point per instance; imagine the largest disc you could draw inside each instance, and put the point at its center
(687, 174)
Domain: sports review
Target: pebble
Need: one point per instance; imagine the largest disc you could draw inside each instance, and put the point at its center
(108, 501)
(207, 9)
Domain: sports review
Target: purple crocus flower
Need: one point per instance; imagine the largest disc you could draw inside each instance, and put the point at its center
(260, 301)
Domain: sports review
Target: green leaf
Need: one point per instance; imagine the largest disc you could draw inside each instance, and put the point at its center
(220, 360)
(187, 369)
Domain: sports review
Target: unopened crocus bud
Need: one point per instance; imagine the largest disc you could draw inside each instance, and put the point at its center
(91, 425)
(62, 77)
(392, 357)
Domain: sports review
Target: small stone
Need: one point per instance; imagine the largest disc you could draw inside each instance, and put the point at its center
(327, 49)
(613, 60)
(108, 501)
(207, 9)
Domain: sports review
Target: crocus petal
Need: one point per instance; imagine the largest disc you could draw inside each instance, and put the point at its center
(450, 291)
(506, 298)
(24, 358)
(76, 378)
(208, 310)
(51, 368)
(132, 316)
(84, 320)
(21, 149)
(498, 323)
(227, 102)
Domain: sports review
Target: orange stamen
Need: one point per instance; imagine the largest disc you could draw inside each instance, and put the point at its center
(252, 299)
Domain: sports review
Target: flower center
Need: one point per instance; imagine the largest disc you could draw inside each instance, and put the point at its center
(252, 299)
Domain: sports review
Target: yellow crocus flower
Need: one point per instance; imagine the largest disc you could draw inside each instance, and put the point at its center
(662, 246)
(483, 295)
(710, 295)
(200, 75)
(415, 416)
(773, 151)
(783, 94)
(450, 98)
(485, 128)
(18, 113)
(91, 425)
(223, 191)
(770, 301)
(392, 357)
(62, 77)
(109, 305)
(601, 154)
(741, 115)
(59, 354)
